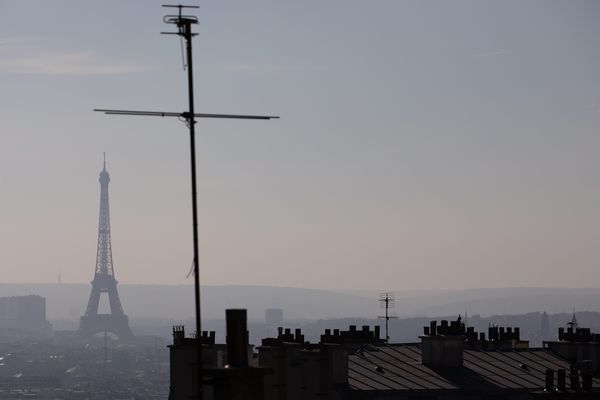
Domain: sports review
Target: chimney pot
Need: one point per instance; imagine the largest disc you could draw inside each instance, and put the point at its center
(178, 334)
(433, 327)
(574, 378)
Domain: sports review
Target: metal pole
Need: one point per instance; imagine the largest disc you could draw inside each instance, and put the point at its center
(387, 336)
(192, 122)
(105, 352)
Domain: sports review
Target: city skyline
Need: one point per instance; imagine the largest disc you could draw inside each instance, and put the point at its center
(412, 153)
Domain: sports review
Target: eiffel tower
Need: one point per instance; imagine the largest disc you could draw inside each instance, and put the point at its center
(104, 280)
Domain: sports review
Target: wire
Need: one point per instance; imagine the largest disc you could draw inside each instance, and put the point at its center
(191, 271)
(183, 60)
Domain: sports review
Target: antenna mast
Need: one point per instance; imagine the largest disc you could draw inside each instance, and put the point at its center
(184, 29)
(387, 300)
(184, 25)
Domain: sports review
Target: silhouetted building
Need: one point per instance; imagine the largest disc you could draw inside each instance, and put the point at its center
(450, 362)
(579, 346)
(229, 371)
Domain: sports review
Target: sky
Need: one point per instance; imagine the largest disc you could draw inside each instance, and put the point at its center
(422, 144)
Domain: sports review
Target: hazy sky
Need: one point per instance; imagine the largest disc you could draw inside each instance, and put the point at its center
(422, 144)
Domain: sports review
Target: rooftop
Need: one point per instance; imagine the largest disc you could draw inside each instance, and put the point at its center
(398, 367)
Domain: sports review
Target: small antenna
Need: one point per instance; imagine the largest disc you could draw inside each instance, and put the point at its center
(387, 300)
(183, 22)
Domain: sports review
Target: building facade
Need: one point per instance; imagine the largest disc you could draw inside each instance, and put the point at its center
(23, 317)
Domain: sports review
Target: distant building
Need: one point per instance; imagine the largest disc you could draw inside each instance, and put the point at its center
(573, 323)
(545, 326)
(274, 316)
(23, 317)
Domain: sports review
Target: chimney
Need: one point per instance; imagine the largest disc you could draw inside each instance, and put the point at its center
(586, 375)
(237, 338)
(445, 348)
(549, 384)
(237, 380)
(178, 335)
(298, 336)
(561, 380)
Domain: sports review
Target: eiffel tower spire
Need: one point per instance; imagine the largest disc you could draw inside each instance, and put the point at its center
(104, 262)
(104, 278)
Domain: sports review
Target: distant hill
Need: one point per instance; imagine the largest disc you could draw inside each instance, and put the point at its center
(503, 301)
(68, 301)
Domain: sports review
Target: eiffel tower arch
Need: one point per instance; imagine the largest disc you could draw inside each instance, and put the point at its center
(104, 280)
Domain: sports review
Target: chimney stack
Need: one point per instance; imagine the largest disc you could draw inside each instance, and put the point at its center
(237, 338)
(442, 345)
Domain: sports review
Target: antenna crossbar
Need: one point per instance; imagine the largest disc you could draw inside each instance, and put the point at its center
(179, 6)
(184, 114)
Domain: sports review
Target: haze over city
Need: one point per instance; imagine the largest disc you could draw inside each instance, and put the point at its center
(397, 199)
(421, 145)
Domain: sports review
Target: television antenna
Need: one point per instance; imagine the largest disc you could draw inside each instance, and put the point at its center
(387, 300)
(184, 29)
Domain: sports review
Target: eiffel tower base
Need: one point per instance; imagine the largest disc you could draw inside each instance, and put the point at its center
(100, 323)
